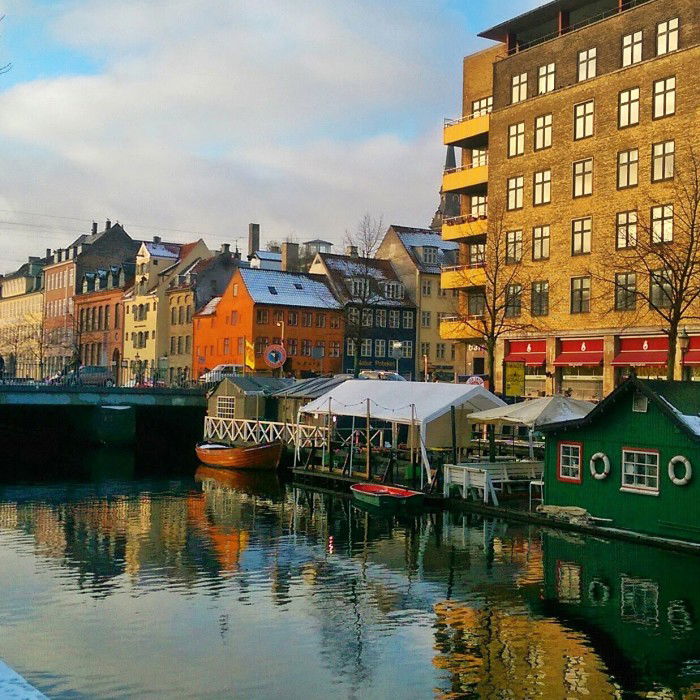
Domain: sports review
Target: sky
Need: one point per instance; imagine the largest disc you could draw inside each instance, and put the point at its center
(191, 118)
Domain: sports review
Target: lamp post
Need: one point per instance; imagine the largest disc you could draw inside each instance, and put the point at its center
(281, 325)
(396, 346)
(684, 344)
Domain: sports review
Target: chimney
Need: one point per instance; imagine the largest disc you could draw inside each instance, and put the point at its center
(351, 250)
(157, 239)
(237, 254)
(94, 228)
(253, 239)
(108, 224)
(75, 251)
(48, 254)
(226, 248)
(290, 257)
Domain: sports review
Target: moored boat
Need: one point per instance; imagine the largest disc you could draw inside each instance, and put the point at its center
(216, 454)
(382, 496)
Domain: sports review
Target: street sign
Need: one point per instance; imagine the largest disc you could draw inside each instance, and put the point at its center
(475, 379)
(317, 353)
(275, 356)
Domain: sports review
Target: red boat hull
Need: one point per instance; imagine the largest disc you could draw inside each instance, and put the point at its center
(264, 456)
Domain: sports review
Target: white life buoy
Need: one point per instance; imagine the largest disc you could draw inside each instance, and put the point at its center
(598, 592)
(606, 465)
(679, 459)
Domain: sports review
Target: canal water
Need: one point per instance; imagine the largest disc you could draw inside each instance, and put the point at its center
(129, 583)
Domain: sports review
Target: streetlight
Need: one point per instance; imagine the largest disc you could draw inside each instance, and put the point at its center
(281, 324)
(396, 346)
(684, 344)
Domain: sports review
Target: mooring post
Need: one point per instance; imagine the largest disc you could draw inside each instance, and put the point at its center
(368, 466)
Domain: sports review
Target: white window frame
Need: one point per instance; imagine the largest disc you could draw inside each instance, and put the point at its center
(366, 347)
(624, 466)
(407, 349)
(575, 476)
(632, 48)
(408, 319)
(380, 347)
(394, 318)
(226, 407)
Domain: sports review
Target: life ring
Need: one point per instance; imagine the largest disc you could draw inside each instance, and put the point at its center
(598, 592)
(606, 466)
(679, 459)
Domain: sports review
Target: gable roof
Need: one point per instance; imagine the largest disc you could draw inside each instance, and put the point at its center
(679, 401)
(210, 307)
(414, 239)
(268, 255)
(288, 288)
(313, 387)
(251, 384)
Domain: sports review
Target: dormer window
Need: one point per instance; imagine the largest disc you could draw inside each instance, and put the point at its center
(393, 290)
(360, 288)
(430, 255)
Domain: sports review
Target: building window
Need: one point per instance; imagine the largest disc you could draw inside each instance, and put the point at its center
(662, 223)
(291, 345)
(583, 120)
(426, 288)
(334, 348)
(662, 160)
(425, 319)
(480, 156)
(335, 321)
(540, 298)
(515, 192)
(545, 78)
(570, 461)
(626, 229)
(476, 303)
(514, 247)
(172, 344)
(482, 106)
(430, 254)
(320, 349)
(261, 316)
(425, 349)
(583, 177)
(408, 319)
(380, 318)
(516, 139)
(380, 347)
(514, 299)
(306, 348)
(627, 168)
(518, 91)
(359, 287)
(477, 254)
(640, 470)
(367, 318)
(478, 206)
(587, 64)
(581, 236)
(664, 97)
(667, 36)
(580, 295)
(293, 318)
(631, 48)
(543, 132)
(625, 291)
(440, 350)
(366, 347)
(542, 189)
(394, 319)
(307, 319)
(660, 289)
(407, 349)
(393, 290)
(320, 320)
(225, 406)
(540, 243)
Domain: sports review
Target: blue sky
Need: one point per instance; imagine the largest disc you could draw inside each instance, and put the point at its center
(203, 115)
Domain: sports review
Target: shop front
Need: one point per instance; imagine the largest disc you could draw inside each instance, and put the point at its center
(647, 356)
(579, 367)
(691, 357)
(533, 353)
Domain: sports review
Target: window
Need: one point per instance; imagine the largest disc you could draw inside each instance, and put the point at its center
(366, 347)
(540, 243)
(359, 287)
(587, 64)
(543, 132)
(664, 97)
(627, 168)
(542, 190)
(580, 295)
(545, 78)
(625, 291)
(394, 319)
(380, 347)
(626, 229)
(570, 461)
(320, 348)
(367, 318)
(291, 345)
(320, 320)
(514, 298)
(514, 247)
(393, 290)
(425, 349)
(407, 349)
(480, 156)
(172, 344)
(631, 48)
(516, 139)
(380, 318)
(477, 254)
(426, 288)
(662, 160)
(306, 348)
(540, 298)
(640, 470)
(430, 254)
(293, 318)
(482, 106)
(476, 303)
(581, 236)
(478, 205)
(408, 319)
(335, 321)
(660, 289)
(667, 36)
(225, 406)
(640, 403)
(515, 192)
(440, 349)
(307, 319)
(583, 120)
(518, 91)
(662, 223)
(583, 177)
(261, 316)
(350, 347)
(425, 319)
(334, 348)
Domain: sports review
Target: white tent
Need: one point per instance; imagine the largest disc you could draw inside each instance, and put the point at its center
(407, 403)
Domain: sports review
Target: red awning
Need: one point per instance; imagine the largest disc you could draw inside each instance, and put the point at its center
(692, 355)
(642, 352)
(532, 352)
(580, 352)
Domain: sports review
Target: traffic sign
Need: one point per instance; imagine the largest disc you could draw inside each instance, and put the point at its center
(475, 379)
(275, 356)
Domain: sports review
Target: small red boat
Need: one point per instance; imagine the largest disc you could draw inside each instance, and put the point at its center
(216, 454)
(382, 496)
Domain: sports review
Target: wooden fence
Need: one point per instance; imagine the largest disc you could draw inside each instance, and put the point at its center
(243, 430)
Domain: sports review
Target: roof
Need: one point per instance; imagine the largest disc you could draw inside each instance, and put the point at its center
(268, 255)
(163, 250)
(288, 288)
(313, 387)
(415, 238)
(210, 307)
(251, 384)
(317, 241)
(401, 402)
(680, 401)
(536, 412)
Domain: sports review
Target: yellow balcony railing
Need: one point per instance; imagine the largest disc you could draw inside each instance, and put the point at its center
(469, 132)
(456, 328)
(463, 276)
(466, 179)
(460, 227)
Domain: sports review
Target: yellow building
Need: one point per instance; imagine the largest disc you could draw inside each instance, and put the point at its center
(146, 308)
(577, 130)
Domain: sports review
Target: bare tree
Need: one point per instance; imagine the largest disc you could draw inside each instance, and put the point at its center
(657, 264)
(7, 66)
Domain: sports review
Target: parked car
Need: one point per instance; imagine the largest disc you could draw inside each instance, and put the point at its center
(220, 372)
(89, 375)
(381, 374)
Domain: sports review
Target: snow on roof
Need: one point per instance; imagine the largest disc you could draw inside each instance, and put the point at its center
(690, 421)
(163, 250)
(288, 289)
(268, 255)
(415, 239)
(210, 307)
(536, 412)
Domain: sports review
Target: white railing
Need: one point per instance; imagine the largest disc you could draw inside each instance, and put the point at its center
(243, 430)
(472, 115)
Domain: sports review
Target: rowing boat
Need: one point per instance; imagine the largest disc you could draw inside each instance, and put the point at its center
(262, 456)
(382, 496)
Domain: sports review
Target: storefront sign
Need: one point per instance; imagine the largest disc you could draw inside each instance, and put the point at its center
(514, 384)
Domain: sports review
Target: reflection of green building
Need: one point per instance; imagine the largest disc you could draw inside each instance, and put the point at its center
(631, 459)
(638, 605)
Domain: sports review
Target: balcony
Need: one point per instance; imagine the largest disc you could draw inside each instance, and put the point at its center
(458, 228)
(463, 276)
(469, 132)
(467, 179)
(455, 328)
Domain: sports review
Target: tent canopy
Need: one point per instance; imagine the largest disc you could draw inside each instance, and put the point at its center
(401, 402)
(535, 412)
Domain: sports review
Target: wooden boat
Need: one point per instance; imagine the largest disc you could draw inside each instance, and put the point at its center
(381, 496)
(216, 454)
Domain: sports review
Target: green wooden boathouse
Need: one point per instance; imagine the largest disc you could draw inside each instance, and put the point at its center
(633, 460)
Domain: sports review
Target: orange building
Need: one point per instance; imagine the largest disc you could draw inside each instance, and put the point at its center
(263, 307)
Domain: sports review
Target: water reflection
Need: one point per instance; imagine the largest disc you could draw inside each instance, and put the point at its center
(218, 573)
